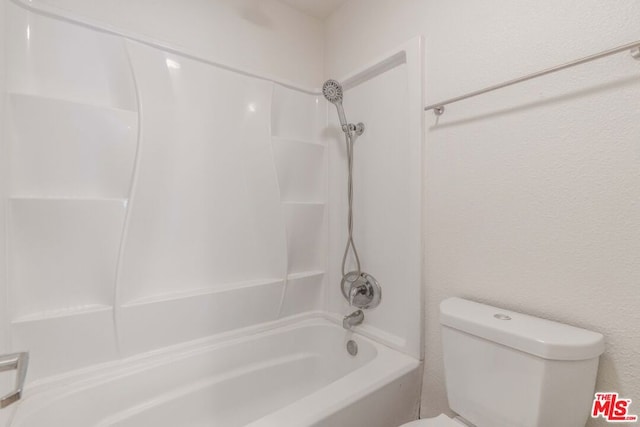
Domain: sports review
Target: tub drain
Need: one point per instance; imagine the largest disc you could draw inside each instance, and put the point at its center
(352, 347)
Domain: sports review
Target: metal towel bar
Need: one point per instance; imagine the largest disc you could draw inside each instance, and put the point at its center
(438, 108)
(20, 363)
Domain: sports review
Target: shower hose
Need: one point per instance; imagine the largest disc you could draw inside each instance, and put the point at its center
(350, 140)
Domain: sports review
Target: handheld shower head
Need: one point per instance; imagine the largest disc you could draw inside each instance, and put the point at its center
(332, 91)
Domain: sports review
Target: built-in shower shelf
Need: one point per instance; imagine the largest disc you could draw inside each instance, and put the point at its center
(305, 274)
(194, 293)
(319, 205)
(68, 199)
(61, 313)
(313, 144)
(48, 100)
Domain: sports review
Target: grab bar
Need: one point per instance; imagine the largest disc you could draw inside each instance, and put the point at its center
(19, 362)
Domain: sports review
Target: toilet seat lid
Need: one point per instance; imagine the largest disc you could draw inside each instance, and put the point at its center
(440, 421)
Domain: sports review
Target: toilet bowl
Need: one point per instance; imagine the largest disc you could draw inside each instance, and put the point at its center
(504, 368)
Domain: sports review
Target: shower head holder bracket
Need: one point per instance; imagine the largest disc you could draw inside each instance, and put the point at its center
(351, 129)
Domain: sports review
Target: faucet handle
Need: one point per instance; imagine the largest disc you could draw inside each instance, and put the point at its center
(361, 290)
(355, 291)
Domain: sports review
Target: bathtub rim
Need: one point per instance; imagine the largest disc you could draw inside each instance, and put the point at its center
(95, 374)
(388, 366)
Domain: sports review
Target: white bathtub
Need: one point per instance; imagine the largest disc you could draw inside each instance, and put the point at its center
(295, 375)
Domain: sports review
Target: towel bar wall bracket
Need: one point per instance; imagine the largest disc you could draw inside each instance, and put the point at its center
(18, 362)
(633, 48)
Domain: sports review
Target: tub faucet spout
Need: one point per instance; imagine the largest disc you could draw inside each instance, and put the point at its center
(353, 319)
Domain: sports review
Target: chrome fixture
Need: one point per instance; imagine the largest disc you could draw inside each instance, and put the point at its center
(634, 48)
(361, 289)
(18, 362)
(352, 347)
(353, 319)
(332, 91)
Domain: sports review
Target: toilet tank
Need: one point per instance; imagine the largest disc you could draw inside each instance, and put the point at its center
(506, 369)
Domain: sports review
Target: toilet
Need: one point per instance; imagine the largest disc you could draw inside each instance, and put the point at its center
(506, 369)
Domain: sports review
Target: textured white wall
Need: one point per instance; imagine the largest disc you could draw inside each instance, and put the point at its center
(264, 37)
(5, 380)
(3, 182)
(531, 194)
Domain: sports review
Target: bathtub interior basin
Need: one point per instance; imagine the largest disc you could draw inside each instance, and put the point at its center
(298, 375)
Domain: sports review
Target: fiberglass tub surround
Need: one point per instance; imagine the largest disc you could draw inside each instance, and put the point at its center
(171, 232)
(170, 194)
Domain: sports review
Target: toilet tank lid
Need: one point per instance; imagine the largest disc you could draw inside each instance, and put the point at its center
(539, 337)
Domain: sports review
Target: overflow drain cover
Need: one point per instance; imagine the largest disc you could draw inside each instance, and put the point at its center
(352, 347)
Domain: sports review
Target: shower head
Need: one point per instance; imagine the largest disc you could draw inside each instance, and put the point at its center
(332, 91)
